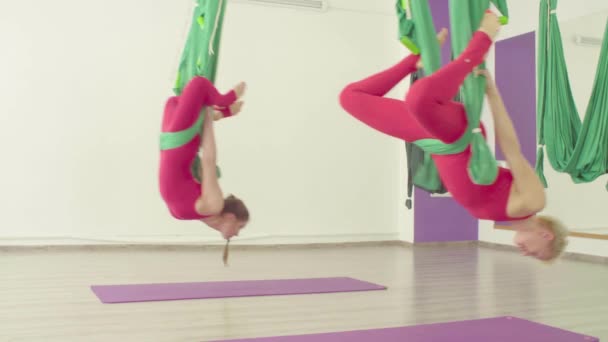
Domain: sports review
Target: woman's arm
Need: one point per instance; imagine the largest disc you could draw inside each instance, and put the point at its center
(529, 194)
(211, 201)
(503, 126)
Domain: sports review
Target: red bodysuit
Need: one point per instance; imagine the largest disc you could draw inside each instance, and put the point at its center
(178, 188)
(429, 112)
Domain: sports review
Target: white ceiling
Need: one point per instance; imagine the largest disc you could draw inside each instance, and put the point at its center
(384, 6)
(523, 13)
(524, 17)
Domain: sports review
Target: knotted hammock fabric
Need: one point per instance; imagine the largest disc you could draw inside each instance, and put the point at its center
(577, 148)
(201, 54)
(417, 160)
(419, 35)
(199, 58)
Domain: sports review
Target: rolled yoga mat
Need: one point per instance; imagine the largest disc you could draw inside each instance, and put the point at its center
(224, 289)
(500, 329)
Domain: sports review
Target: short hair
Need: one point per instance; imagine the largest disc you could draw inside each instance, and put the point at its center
(560, 235)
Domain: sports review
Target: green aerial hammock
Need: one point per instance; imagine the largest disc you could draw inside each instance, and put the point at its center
(419, 36)
(416, 159)
(199, 58)
(579, 149)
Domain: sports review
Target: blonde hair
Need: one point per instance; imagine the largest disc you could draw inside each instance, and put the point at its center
(560, 235)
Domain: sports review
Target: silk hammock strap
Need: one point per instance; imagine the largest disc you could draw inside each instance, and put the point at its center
(578, 148)
(417, 32)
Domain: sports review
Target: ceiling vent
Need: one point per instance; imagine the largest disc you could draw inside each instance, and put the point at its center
(313, 5)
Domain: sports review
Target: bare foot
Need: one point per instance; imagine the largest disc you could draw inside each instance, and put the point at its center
(239, 90)
(236, 107)
(442, 36)
(217, 115)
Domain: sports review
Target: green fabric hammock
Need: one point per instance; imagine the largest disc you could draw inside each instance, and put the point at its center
(201, 54)
(418, 34)
(577, 148)
(199, 58)
(416, 159)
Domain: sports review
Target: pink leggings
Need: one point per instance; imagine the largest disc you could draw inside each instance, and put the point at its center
(182, 111)
(428, 110)
(177, 186)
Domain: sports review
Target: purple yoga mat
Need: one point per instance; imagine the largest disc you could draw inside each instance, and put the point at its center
(223, 289)
(500, 329)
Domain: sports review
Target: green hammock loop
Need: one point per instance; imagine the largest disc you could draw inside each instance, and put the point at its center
(428, 175)
(465, 19)
(406, 26)
(196, 169)
(421, 37)
(434, 146)
(199, 58)
(577, 148)
(171, 140)
(540, 169)
(201, 54)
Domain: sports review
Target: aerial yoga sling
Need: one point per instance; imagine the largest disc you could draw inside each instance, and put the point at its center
(418, 35)
(199, 58)
(449, 131)
(578, 149)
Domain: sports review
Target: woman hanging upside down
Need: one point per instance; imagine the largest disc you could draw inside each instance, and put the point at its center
(429, 112)
(184, 196)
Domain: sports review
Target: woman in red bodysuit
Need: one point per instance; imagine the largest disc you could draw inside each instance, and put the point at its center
(429, 112)
(185, 198)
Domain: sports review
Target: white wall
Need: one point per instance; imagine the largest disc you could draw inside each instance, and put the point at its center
(81, 100)
(564, 197)
(523, 14)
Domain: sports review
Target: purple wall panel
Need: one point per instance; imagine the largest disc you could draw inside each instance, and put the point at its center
(515, 74)
(516, 79)
(440, 219)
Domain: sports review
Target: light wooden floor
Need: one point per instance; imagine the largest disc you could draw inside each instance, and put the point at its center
(45, 296)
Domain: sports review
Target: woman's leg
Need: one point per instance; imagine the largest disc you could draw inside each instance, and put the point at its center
(198, 93)
(169, 113)
(430, 99)
(366, 102)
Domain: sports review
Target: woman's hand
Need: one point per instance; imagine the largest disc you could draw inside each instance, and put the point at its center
(490, 85)
(441, 37)
(490, 24)
(208, 148)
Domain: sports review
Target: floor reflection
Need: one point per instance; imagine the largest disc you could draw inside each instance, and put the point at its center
(445, 282)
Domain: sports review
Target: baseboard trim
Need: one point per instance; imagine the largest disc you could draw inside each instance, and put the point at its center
(571, 233)
(194, 240)
(445, 243)
(200, 247)
(565, 255)
(244, 247)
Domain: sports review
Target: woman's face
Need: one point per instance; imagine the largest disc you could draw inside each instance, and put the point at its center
(533, 240)
(230, 226)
